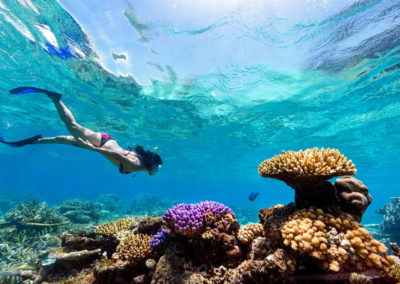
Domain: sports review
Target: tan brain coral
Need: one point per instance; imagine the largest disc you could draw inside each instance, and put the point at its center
(334, 241)
(134, 248)
(116, 227)
(250, 231)
(309, 166)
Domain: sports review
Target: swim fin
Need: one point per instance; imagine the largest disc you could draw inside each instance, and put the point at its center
(21, 143)
(26, 90)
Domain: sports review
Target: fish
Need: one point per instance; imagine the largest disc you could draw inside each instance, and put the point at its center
(253, 195)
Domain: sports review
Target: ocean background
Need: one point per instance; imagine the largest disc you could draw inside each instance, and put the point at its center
(217, 86)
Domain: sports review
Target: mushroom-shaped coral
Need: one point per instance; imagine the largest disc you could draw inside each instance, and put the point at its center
(307, 167)
(307, 172)
(247, 233)
(334, 241)
(187, 219)
(115, 228)
(353, 196)
(134, 248)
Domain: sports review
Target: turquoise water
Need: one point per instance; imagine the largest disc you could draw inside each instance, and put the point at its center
(216, 95)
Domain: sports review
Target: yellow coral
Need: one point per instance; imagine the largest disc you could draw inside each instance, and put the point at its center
(332, 240)
(247, 233)
(116, 227)
(134, 248)
(307, 166)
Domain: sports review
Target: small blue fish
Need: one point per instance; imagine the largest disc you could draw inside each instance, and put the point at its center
(253, 195)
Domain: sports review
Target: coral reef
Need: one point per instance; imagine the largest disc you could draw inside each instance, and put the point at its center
(247, 233)
(307, 172)
(302, 168)
(389, 229)
(159, 238)
(149, 205)
(148, 225)
(205, 226)
(188, 219)
(395, 249)
(134, 248)
(110, 203)
(115, 228)
(34, 214)
(335, 242)
(316, 239)
(80, 211)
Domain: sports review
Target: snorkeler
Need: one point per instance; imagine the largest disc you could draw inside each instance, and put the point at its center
(127, 161)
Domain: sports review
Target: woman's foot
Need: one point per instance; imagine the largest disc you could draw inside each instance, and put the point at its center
(24, 90)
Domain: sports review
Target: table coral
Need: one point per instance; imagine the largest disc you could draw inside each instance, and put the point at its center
(247, 233)
(304, 168)
(334, 241)
(113, 229)
(309, 165)
(308, 172)
(134, 248)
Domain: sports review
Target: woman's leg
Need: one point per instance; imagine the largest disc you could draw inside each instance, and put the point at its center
(74, 128)
(70, 140)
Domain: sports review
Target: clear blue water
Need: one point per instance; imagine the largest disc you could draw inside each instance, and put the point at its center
(216, 90)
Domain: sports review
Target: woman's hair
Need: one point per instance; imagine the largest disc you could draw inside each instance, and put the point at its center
(149, 159)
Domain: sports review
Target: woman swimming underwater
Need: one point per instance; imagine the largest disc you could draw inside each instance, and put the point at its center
(126, 160)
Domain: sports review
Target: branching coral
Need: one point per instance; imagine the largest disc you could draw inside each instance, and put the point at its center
(247, 233)
(334, 241)
(35, 213)
(134, 248)
(115, 228)
(305, 167)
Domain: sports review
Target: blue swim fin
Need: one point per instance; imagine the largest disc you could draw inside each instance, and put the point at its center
(26, 90)
(21, 143)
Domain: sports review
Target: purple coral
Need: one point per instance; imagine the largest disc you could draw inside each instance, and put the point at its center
(159, 237)
(187, 219)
